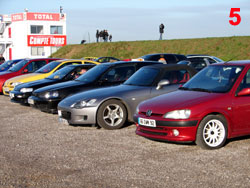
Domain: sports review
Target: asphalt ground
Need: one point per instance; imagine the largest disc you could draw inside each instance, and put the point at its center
(37, 151)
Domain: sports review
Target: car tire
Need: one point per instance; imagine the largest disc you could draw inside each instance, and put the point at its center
(212, 132)
(112, 114)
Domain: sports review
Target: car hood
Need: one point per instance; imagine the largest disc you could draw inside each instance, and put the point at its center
(179, 99)
(24, 78)
(35, 84)
(60, 86)
(6, 73)
(102, 93)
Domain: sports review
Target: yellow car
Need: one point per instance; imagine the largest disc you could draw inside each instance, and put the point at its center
(41, 73)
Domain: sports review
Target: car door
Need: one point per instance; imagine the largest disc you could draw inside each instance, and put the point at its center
(175, 77)
(241, 108)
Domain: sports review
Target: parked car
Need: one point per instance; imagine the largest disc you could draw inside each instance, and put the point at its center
(106, 59)
(165, 58)
(8, 64)
(117, 104)
(21, 92)
(209, 109)
(107, 74)
(200, 61)
(23, 67)
(41, 73)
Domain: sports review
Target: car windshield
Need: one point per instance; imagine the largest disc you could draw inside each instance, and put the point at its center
(6, 64)
(92, 74)
(49, 67)
(18, 66)
(58, 75)
(218, 79)
(143, 77)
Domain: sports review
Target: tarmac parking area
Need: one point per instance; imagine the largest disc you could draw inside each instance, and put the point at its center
(37, 151)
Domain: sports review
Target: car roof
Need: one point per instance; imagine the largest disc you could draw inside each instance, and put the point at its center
(162, 54)
(237, 62)
(82, 65)
(169, 66)
(130, 62)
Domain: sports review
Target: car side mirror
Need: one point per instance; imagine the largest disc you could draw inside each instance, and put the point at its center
(162, 83)
(244, 92)
(25, 70)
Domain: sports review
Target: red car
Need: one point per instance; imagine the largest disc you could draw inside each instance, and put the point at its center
(209, 109)
(23, 67)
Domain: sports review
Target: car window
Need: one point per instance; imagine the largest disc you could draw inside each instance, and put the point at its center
(218, 79)
(93, 74)
(18, 66)
(61, 73)
(143, 77)
(176, 77)
(170, 58)
(245, 83)
(49, 67)
(118, 74)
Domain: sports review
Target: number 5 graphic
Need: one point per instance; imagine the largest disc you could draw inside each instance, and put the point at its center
(236, 15)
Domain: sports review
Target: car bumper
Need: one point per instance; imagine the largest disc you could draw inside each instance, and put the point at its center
(78, 116)
(49, 106)
(7, 90)
(19, 97)
(165, 130)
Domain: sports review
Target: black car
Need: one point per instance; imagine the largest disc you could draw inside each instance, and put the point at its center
(103, 75)
(163, 57)
(22, 92)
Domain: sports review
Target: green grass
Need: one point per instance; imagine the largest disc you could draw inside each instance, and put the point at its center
(226, 48)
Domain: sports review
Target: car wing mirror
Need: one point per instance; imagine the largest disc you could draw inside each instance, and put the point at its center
(244, 92)
(162, 83)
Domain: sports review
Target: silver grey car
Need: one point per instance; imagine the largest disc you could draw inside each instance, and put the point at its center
(111, 107)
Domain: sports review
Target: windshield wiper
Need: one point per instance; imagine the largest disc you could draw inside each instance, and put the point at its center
(183, 88)
(200, 89)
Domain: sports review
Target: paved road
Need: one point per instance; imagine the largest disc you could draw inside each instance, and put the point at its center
(36, 151)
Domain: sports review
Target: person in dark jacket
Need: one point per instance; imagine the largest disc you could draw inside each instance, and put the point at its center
(97, 35)
(161, 28)
(110, 38)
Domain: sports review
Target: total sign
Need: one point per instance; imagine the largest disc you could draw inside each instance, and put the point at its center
(47, 40)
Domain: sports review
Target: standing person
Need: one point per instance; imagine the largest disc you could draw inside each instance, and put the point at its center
(161, 28)
(110, 38)
(106, 35)
(97, 35)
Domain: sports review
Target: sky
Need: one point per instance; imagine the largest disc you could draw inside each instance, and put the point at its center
(135, 20)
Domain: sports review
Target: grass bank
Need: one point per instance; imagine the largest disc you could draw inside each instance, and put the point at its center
(226, 48)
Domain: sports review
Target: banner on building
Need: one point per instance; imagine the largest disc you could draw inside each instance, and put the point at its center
(43, 16)
(47, 40)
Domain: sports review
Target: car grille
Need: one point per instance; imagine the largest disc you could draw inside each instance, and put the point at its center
(153, 114)
(153, 133)
(66, 115)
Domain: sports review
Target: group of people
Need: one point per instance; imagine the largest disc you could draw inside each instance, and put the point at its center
(103, 36)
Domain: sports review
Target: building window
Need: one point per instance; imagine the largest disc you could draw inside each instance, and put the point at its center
(36, 29)
(56, 30)
(37, 51)
(53, 49)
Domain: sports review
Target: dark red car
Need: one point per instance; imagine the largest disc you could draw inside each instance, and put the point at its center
(210, 108)
(23, 67)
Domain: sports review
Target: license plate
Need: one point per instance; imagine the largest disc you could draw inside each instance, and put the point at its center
(31, 101)
(63, 121)
(147, 122)
(12, 95)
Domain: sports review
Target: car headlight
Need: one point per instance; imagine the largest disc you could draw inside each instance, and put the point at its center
(137, 110)
(82, 104)
(178, 114)
(51, 94)
(14, 84)
(26, 90)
